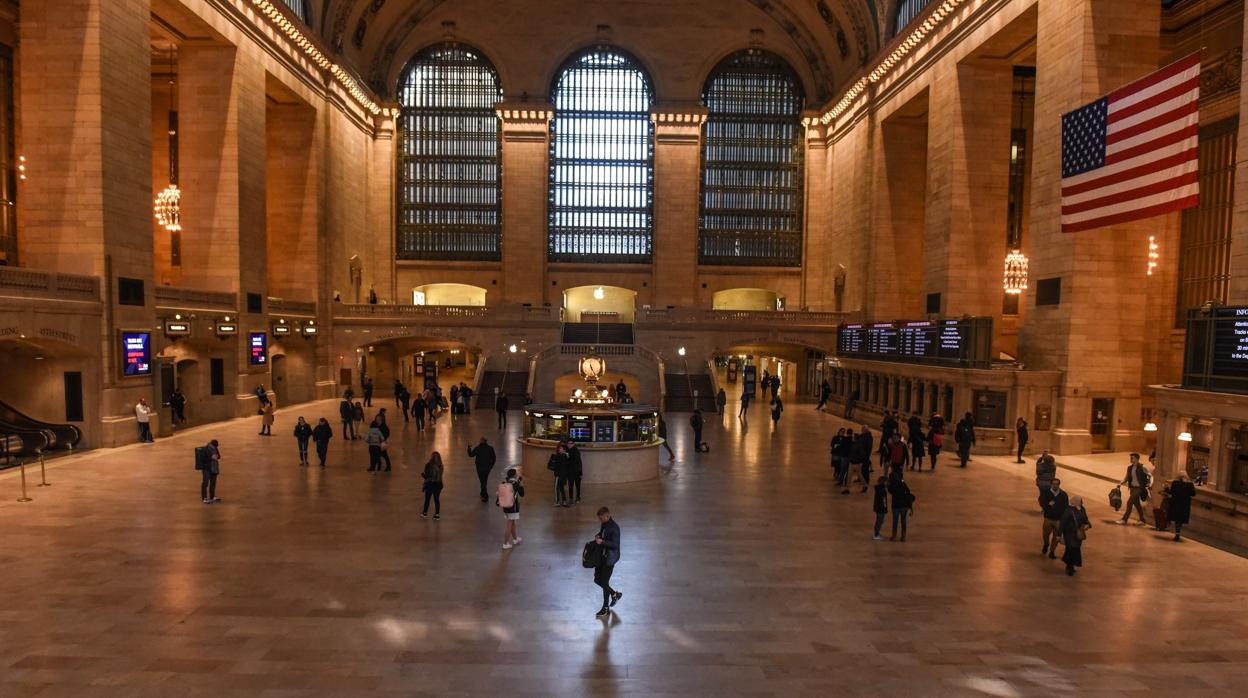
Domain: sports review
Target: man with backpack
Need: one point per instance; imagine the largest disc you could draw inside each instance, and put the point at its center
(608, 539)
(483, 457)
(898, 454)
(208, 463)
(1137, 480)
(964, 436)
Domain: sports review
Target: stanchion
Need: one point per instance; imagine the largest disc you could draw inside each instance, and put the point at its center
(43, 474)
(23, 498)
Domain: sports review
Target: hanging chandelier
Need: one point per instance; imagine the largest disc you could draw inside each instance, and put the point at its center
(1015, 272)
(168, 212)
(167, 206)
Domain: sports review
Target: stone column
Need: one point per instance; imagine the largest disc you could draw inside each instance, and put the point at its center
(86, 208)
(818, 266)
(381, 214)
(677, 168)
(1238, 292)
(899, 256)
(526, 176)
(1085, 49)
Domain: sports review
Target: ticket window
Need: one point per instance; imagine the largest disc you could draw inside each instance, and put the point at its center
(604, 431)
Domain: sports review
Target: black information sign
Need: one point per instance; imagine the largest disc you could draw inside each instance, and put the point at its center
(961, 342)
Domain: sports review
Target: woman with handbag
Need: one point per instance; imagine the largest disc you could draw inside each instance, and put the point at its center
(1074, 528)
(432, 475)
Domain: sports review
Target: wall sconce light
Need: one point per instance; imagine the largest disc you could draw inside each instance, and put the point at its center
(1150, 426)
(1185, 436)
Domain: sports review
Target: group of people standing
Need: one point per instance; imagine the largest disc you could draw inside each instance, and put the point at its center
(566, 466)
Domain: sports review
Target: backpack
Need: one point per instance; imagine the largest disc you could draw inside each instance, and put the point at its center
(937, 441)
(592, 555)
(897, 453)
(1115, 498)
(202, 458)
(907, 498)
(506, 495)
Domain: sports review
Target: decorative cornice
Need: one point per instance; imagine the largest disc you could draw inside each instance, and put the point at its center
(280, 18)
(520, 113)
(900, 51)
(690, 116)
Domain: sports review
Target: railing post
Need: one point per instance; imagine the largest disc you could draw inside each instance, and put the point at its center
(23, 498)
(43, 474)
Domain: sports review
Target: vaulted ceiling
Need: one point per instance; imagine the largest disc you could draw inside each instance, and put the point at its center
(679, 41)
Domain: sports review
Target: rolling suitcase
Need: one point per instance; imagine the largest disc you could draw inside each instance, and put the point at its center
(1160, 520)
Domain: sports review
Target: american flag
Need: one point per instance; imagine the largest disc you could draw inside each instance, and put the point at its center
(1132, 154)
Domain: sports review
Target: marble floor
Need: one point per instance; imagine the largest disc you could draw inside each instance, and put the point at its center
(744, 572)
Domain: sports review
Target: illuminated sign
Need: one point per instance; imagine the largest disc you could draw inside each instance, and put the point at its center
(177, 327)
(136, 352)
(227, 328)
(259, 348)
(309, 329)
(281, 329)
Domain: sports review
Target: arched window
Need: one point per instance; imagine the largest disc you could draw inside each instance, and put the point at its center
(301, 9)
(907, 10)
(449, 172)
(751, 210)
(601, 160)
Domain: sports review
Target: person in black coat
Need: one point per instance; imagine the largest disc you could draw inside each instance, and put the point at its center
(321, 436)
(347, 412)
(1053, 503)
(500, 406)
(418, 412)
(862, 455)
(483, 458)
(405, 399)
(695, 422)
(1074, 526)
(385, 432)
(303, 432)
(880, 506)
(902, 501)
(576, 469)
(1179, 511)
(609, 538)
(558, 466)
(1020, 431)
(964, 435)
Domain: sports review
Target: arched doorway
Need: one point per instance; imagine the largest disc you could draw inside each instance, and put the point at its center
(448, 294)
(606, 304)
(747, 299)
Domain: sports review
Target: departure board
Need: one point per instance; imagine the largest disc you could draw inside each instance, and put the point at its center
(964, 341)
(1230, 342)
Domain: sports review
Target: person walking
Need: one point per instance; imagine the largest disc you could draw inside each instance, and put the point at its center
(880, 506)
(418, 412)
(178, 402)
(918, 449)
(432, 475)
(825, 392)
(836, 447)
(935, 442)
(208, 463)
(346, 412)
(266, 419)
(897, 454)
(721, 399)
(964, 436)
(405, 400)
(368, 391)
(510, 490)
(1181, 492)
(375, 441)
(143, 416)
(862, 456)
(454, 400)
(483, 458)
(1046, 470)
(695, 422)
(609, 538)
(777, 407)
(1074, 527)
(465, 394)
(398, 391)
(1137, 480)
(1053, 503)
(380, 419)
(303, 432)
(1020, 434)
(357, 416)
(321, 436)
(558, 466)
(764, 383)
(743, 413)
(671, 455)
(576, 468)
(850, 403)
(500, 407)
(902, 502)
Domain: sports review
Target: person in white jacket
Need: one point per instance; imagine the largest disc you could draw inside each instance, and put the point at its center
(143, 415)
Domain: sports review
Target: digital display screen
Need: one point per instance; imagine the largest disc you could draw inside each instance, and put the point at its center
(604, 431)
(580, 429)
(136, 352)
(259, 345)
(935, 341)
(1230, 343)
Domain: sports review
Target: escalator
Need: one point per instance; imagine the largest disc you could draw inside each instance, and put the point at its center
(22, 436)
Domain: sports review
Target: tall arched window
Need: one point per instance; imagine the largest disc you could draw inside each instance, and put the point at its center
(301, 9)
(907, 10)
(601, 160)
(449, 172)
(751, 210)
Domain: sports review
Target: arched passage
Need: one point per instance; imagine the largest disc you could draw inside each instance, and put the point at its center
(448, 294)
(599, 304)
(747, 299)
(800, 367)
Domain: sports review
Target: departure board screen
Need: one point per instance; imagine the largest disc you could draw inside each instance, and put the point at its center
(926, 341)
(1230, 342)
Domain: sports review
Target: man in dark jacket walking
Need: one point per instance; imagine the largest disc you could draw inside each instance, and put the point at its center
(368, 392)
(964, 435)
(500, 406)
(1137, 480)
(321, 436)
(695, 422)
(862, 456)
(1053, 502)
(483, 456)
(609, 538)
(576, 469)
(346, 412)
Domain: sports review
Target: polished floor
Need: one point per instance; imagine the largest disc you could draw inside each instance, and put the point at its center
(744, 572)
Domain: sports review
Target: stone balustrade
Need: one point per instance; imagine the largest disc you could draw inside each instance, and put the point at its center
(33, 283)
(782, 318)
(194, 299)
(285, 306)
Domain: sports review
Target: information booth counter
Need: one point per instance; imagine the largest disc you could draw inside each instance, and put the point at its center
(617, 442)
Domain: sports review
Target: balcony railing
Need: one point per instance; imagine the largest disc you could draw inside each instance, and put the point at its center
(194, 298)
(784, 318)
(44, 284)
(285, 306)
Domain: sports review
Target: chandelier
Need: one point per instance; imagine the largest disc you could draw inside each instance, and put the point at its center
(167, 206)
(168, 212)
(1015, 272)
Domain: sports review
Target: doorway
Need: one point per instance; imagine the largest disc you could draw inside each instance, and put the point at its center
(277, 365)
(1102, 423)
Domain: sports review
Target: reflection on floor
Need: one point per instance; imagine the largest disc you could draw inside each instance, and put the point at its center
(744, 572)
